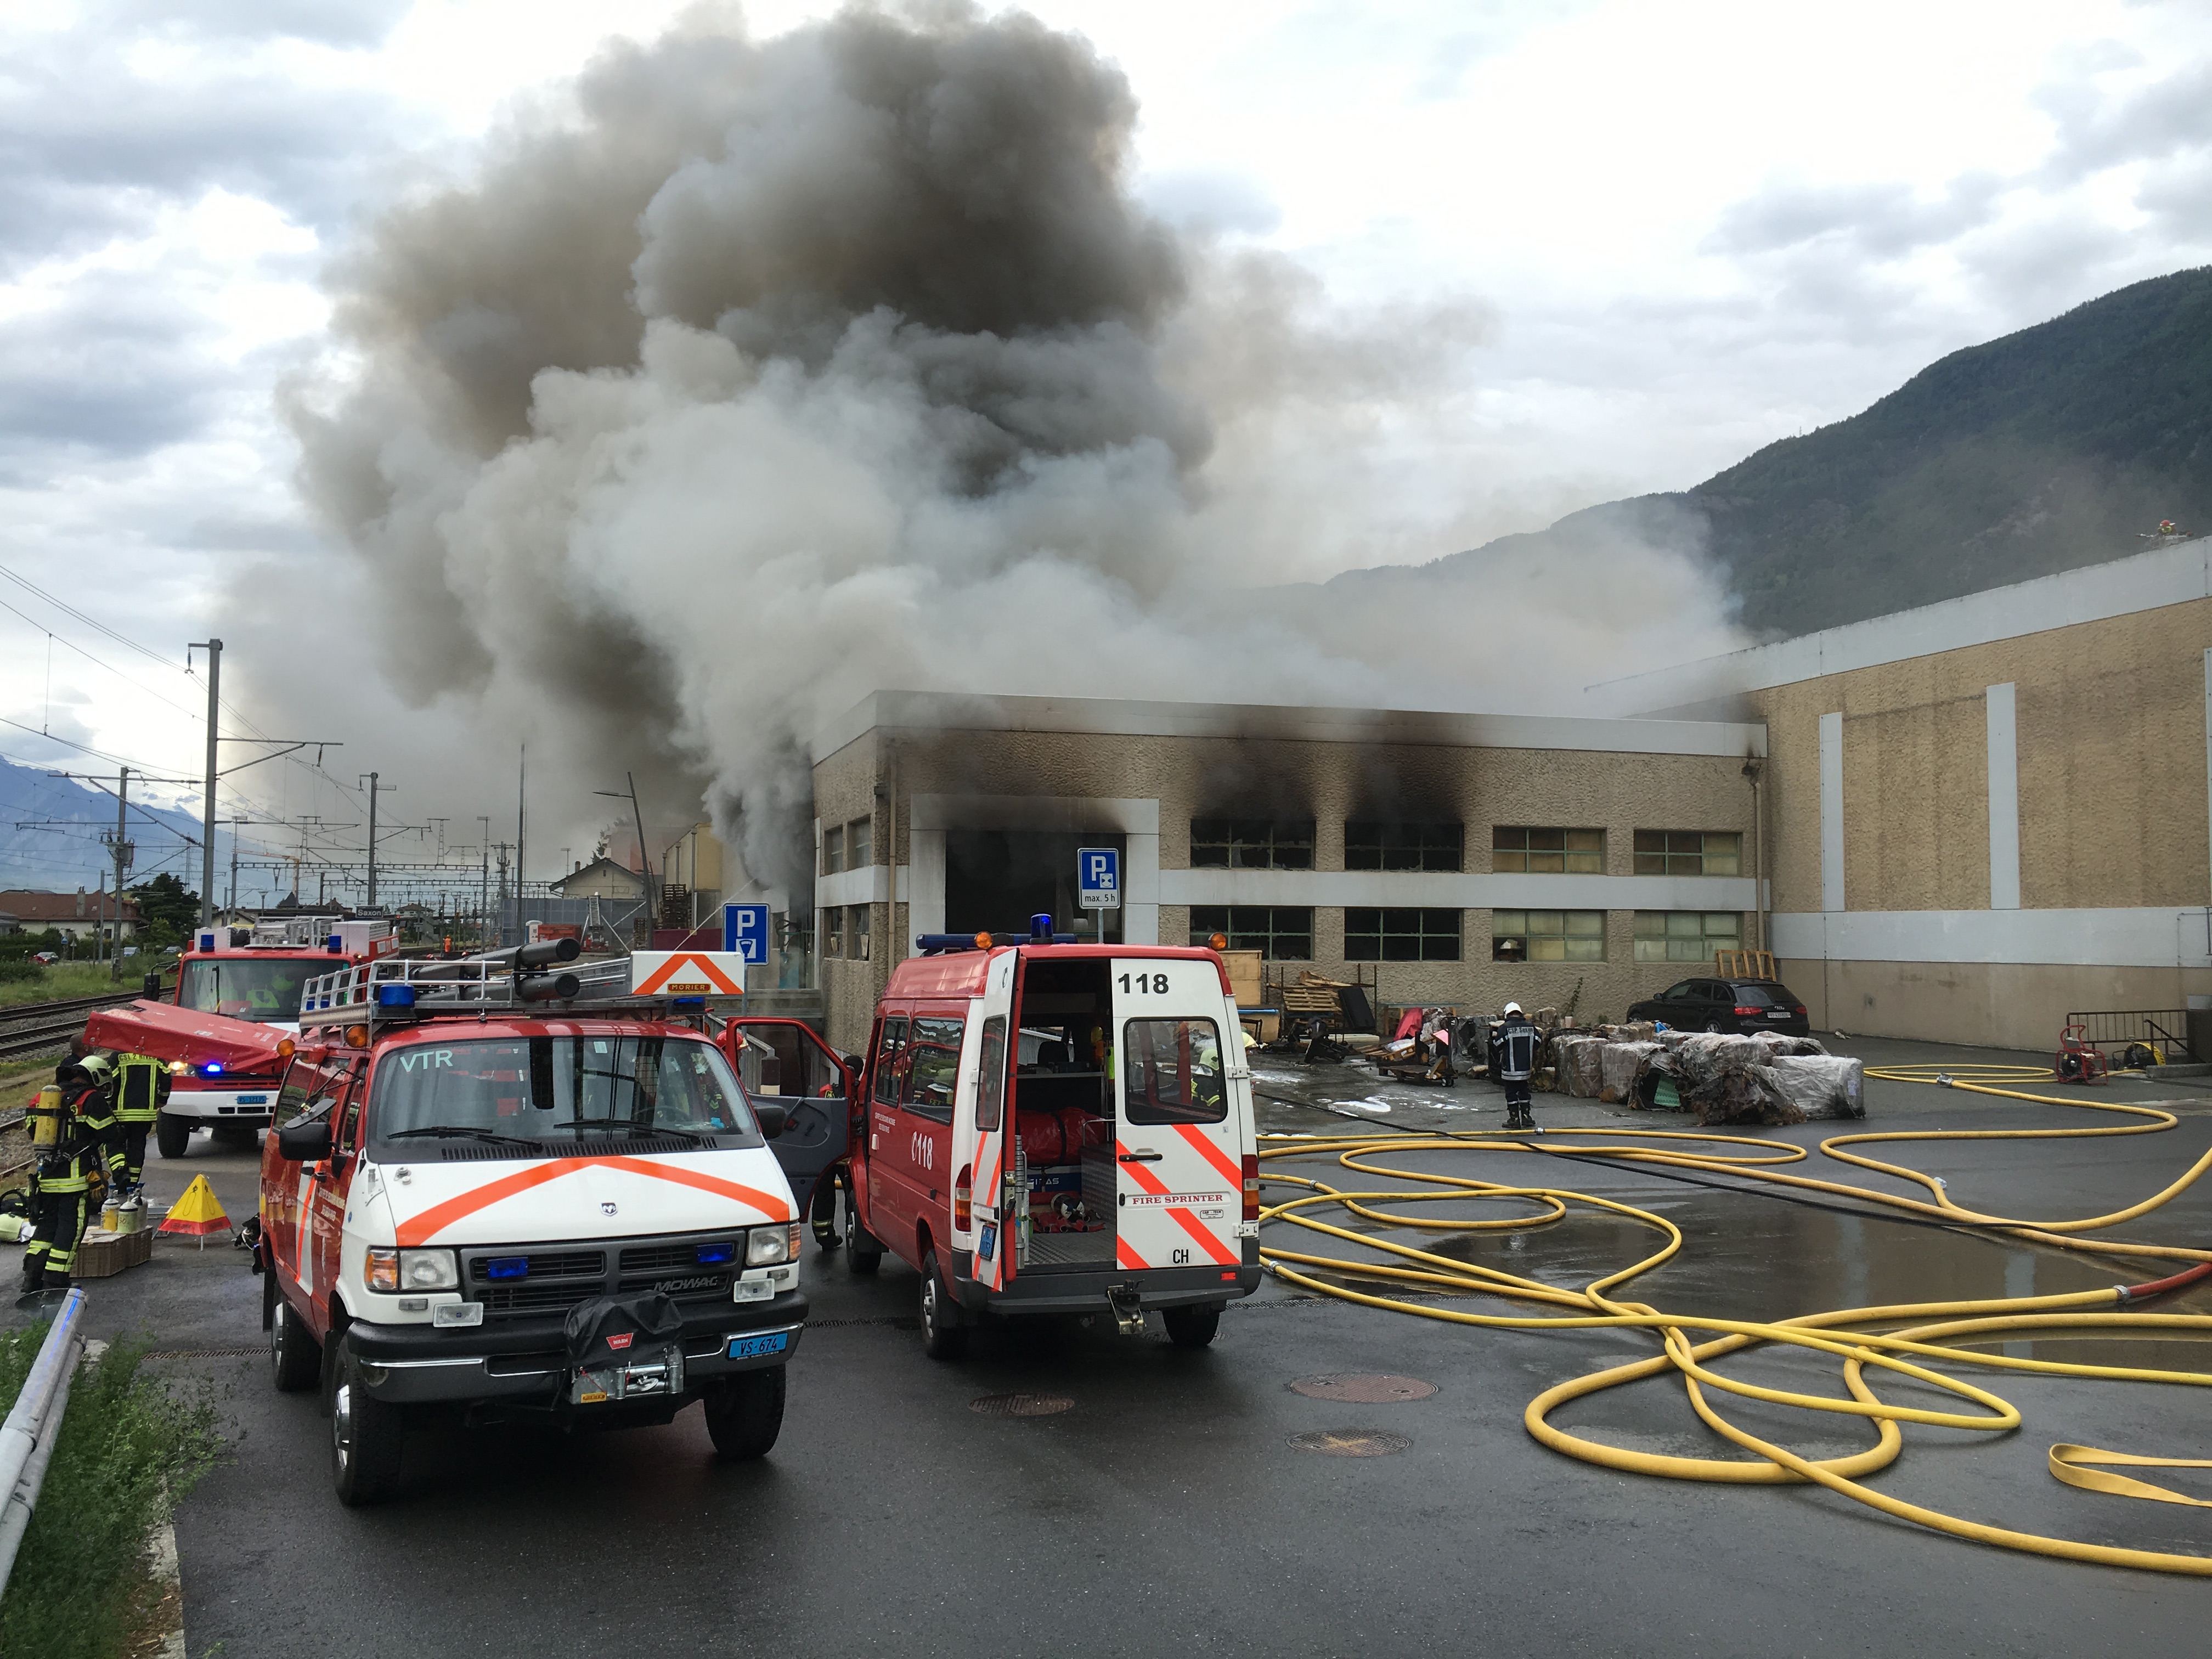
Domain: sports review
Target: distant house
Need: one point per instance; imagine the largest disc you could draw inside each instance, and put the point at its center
(76, 915)
(602, 878)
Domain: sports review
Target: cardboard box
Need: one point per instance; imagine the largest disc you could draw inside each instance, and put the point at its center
(102, 1253)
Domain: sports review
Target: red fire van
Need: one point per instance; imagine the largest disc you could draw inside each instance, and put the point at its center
(1049, 1128)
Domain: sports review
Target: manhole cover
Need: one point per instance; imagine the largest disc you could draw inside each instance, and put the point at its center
(1020, 1404)
(1363, 1389)
(1351, 1443)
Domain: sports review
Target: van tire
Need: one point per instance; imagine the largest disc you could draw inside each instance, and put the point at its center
(864, 1253)
(367, 1437)
(941, 1338)
(296, 1360)
(745, 1414)
(172, 1135)
(1191, 1327)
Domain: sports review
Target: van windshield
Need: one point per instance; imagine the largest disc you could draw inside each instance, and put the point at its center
(556, 1091)
(265, 988)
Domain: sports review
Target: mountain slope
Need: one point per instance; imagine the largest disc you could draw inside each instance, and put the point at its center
(51, 830)
(2046, 450)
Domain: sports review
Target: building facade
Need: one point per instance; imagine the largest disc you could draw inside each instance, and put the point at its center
(1992, 812)
(1450, 858)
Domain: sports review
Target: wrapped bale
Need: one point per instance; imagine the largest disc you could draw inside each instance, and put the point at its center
(1619, 1064)
(1735, 1090)
(1823, 1085)
(1578, 1060)
(1776, 1043)
(1658, 1085)
(1706, 1052)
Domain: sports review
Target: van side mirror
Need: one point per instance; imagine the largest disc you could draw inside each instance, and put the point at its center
(772, 1118)
(305, 1143)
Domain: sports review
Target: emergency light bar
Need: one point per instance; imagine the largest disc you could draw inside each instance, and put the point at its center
(938, 944)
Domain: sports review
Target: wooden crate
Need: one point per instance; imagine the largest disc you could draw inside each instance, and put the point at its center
(102, 1253)
(1246, 976)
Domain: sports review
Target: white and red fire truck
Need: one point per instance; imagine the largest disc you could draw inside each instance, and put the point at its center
(1058, 1128)
(501, 1189)
(253, 975)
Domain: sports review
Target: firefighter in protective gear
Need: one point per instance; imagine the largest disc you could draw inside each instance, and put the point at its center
(89, 1146)
(141, 1089)
(1513, 1045)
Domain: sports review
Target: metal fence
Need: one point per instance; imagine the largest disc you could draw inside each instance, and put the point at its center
(2166, 1029)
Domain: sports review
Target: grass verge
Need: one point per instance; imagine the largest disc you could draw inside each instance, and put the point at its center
(73, 979)
(131, 1446)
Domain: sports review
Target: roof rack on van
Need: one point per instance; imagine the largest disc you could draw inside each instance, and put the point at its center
(521, 976)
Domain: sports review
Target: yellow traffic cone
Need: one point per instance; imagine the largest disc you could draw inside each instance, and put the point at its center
(199, 1211)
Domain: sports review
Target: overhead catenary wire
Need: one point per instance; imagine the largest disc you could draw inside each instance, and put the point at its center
(1691, 1345)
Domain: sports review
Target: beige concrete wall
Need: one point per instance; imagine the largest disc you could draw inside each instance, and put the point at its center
(2112, 788)
(2003, 1004)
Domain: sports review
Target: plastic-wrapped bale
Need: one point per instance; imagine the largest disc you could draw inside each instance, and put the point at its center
(1661, 1066)
(1639, 1030)
(1703, 1052)
(1737, 1091)
(1823, 1085)
(1775, 1043)
(1619, 1064)
(1578, 1060)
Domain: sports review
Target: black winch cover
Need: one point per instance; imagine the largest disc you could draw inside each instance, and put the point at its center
(649, 1321)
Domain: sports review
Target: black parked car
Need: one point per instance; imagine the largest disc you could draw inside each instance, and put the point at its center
(1723, 1005)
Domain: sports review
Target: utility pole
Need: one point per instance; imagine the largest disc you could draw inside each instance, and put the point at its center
(484, 899)
(123, 851)
(214, 648)
(521, 804)
(374, 788)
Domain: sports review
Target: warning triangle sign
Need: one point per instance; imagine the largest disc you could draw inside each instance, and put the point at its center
(199, 1211)
(688, 972)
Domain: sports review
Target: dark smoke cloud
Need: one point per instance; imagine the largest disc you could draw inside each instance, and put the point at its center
(767, 373)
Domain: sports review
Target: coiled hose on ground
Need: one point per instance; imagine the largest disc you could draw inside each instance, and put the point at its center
(1905, 1340)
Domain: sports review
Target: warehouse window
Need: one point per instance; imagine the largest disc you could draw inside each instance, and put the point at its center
(856, 933)
(833, 849)
(1375, 846)
(833, 929)
(1686, 935)
(1547, 936)
(1548, 852)
(1283, 931)
(1688, 853)
(856, 844)
(1402, 935)
(1251, 844)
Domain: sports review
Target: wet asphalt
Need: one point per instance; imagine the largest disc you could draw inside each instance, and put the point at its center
(1167, 1511)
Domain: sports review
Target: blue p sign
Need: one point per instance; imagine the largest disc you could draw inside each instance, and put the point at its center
(745, 930)
(1098, 878)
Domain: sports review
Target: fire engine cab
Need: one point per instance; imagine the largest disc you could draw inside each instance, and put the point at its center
(1058, 1128)
(253, 975)
(502, 1190)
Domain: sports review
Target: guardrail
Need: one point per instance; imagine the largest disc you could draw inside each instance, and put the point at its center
(26, 1438)
(2164, 1029)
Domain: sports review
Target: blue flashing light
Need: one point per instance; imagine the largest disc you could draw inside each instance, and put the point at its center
(335, 945)
(395, 996)
(687, 1002)
(711, 1254)
(1040, 927)
(507, 1267)
(211, 1068)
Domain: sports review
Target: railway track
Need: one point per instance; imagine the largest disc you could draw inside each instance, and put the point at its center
(29, 1027)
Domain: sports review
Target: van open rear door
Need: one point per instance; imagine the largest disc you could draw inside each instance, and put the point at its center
(1002, 1199)
(783, 1060)
(1179, 1181)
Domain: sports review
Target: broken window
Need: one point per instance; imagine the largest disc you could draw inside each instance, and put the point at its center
(1251, 844)
(1686, 935)
(856, 844)
(1688, 853)
(1547, 936)
(1548, 852)
(833, 849)
(1284, 932)
(1406, 935)
(1373, 845)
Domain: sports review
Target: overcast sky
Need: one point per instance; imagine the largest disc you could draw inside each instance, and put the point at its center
(1694, 228)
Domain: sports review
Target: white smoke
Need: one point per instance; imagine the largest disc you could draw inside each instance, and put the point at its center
(767, 375)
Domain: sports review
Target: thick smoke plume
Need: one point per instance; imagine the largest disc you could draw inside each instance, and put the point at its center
(769, 374)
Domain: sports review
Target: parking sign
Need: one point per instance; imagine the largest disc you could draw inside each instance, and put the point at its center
(745, 930)
(1098, 878)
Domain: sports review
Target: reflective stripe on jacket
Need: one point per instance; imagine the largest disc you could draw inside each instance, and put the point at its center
(142, 1087)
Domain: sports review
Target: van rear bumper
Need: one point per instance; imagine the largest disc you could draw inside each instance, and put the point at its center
(1083, 1290)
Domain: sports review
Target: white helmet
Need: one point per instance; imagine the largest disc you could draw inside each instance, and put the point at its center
(1512, 1007)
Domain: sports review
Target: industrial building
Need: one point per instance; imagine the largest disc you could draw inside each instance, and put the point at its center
(1962, 821)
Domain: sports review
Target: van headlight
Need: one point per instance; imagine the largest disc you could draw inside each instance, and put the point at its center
(392, 1271)
(767, 1245)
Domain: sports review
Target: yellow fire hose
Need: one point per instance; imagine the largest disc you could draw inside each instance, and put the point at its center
(1910, 1331)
